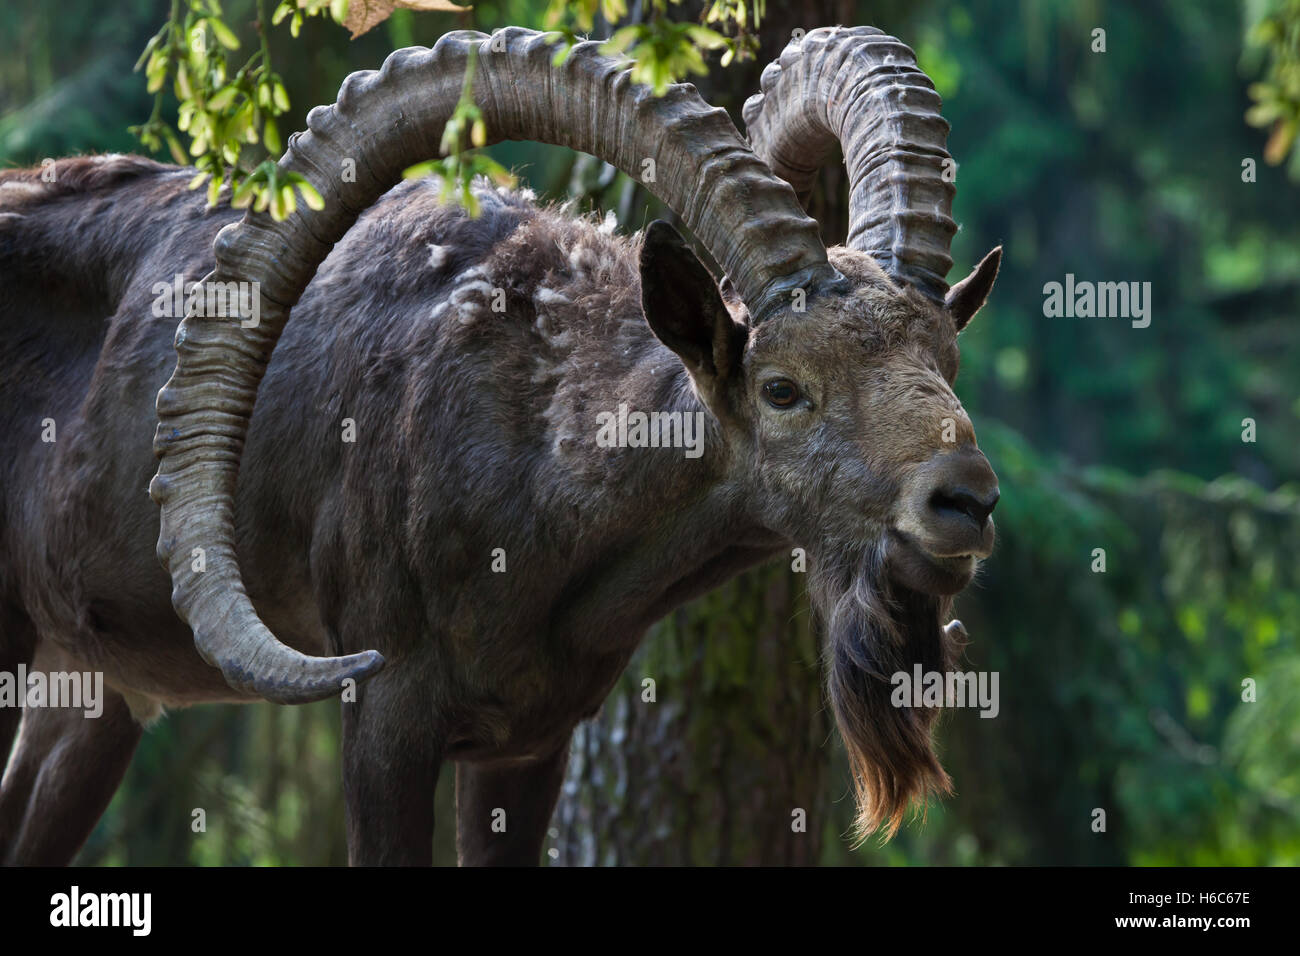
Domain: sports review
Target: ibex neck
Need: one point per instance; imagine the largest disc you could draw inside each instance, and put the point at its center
(684, 520)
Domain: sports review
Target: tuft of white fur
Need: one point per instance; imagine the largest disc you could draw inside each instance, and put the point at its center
(584, 259)
(20, 191)
(469, 289)
(145, 710)
(469, 275)
(549, 298)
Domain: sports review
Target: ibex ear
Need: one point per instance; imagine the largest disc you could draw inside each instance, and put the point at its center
(967, 296)
(684, 308)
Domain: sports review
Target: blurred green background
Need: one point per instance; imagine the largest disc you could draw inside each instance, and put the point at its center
(1121, 690)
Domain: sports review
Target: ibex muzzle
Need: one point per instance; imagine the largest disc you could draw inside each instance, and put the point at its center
(945, 521)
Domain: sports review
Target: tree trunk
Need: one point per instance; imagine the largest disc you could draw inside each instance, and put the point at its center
(723, 759)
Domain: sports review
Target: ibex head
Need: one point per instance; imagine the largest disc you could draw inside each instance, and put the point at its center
(829, 373)
(840, 416)
(835, 388)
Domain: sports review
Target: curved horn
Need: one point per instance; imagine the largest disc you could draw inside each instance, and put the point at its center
(862, 89)
(384, 122)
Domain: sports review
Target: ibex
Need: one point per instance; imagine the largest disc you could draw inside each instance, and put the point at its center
(470, 570)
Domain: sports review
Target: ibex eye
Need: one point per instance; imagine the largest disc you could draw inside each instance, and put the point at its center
(781, 393)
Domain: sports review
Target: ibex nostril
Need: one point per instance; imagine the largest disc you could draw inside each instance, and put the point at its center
(964, 501)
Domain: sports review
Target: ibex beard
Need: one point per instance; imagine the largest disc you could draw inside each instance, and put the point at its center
(875, 628)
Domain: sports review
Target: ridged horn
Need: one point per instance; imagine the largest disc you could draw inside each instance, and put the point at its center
(384, 122)
(863, 90)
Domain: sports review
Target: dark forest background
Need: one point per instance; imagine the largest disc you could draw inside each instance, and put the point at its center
(1121, 690)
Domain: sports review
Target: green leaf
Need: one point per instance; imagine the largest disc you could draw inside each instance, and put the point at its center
(223, 98)
(271, 136)
(174, 147)
(310, 195)
(148, 49)
(421, 169)
(288, 200)
(622, 39)
(223, 33)
(184, 91)
(1262, 114)
(706, 38)
(244, 193)
(156, 73)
